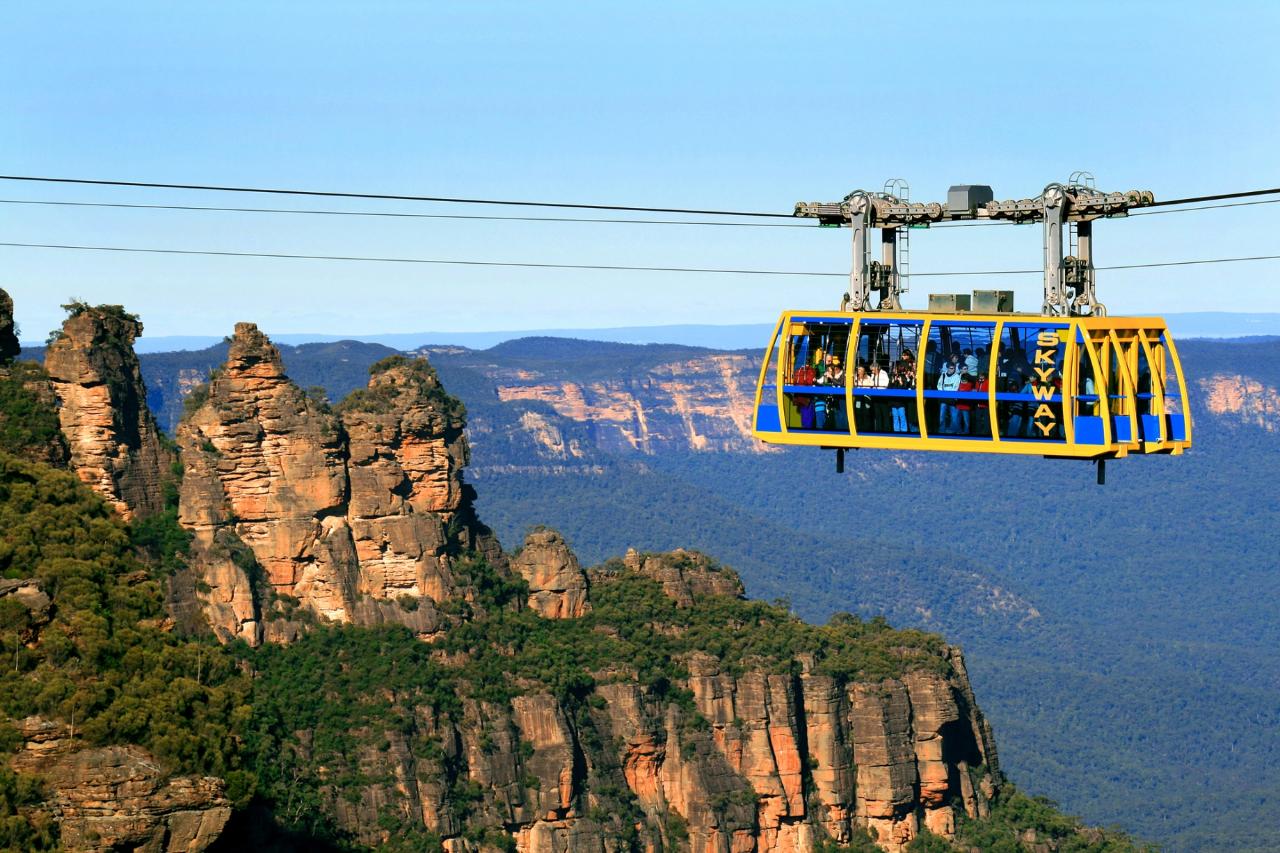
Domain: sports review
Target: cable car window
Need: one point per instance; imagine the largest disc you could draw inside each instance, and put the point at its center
(767, 406)
(1029, 377)
(886, 373)
(957, 364)
(814, 380)
(1087, 386)
(1167, 373)
(1142, 378)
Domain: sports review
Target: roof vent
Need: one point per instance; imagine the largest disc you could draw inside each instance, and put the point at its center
(966, 198)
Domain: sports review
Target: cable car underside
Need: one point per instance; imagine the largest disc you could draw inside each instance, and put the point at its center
(970, 375)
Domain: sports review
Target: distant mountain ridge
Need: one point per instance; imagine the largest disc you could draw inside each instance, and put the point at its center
(1201, 324)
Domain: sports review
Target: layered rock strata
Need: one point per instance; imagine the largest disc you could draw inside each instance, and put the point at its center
(348, 516)
(557, 584)
(118, 797)
(765, 758)
(115, 444)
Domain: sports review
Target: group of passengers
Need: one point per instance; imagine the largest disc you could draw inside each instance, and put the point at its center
(963, 373)
(886, 413)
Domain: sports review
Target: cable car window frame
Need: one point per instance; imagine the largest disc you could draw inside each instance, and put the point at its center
(762, 388)
(1063, 368)
(855, 352)
(787, 366)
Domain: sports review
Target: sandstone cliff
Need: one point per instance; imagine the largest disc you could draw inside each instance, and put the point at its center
(29, 426)
(117, 797)
(114, 442)
(764, 752)
(348, 516)
(9, 345)
(620, 400)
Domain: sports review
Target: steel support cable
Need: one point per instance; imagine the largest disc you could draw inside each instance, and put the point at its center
(506, 202)
(497, 218)
(388, 196)
(606, 267)
(400, 215)
(1218, 197)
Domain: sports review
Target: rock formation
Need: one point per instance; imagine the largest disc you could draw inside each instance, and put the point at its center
(118, 797)
(557, 584)
(765, 757)
(115, 445)
(9, 345)
(350, 516)
(684, 574)
(1242, 400)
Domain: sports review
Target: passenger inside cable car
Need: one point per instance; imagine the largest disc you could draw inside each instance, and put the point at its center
(814, 380)
(885, 392)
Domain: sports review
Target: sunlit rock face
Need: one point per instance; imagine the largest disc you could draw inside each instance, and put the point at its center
(759, 758)
(557, 584)
(700, 404)
(347, 515)
(1242, 400)
(118, 797)
(115, 444)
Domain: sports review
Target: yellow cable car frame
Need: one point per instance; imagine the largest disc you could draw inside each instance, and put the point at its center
(1120, 417)
(1069, 382)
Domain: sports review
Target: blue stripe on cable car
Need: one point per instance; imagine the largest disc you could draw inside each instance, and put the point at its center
(839, 321)
(1089, 430)
(810, 390)
(767, 419)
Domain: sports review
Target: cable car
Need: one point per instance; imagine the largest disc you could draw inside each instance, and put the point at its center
(969, 374)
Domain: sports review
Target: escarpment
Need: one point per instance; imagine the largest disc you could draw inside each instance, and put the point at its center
(691, 719)
(115, 445)
(118, 797)
(348, 516)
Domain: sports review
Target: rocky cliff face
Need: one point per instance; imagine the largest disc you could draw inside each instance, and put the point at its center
(9, 345)
(360, 514)
(117, 797)
(557, 584)
(1239, 399)
(114, 442)
(345, 516)
(643, 403)
(774, 755)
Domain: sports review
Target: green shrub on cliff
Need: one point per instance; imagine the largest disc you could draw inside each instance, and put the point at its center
(103, 663)
(22, 829)
(420, 378)
(28, 425)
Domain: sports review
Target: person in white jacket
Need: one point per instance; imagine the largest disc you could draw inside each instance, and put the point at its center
(949, 380)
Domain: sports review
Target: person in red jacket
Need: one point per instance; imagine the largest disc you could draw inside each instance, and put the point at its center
(964, 406)
(981, 417)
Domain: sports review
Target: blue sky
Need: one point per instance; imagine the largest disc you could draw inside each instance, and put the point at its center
(727, 105)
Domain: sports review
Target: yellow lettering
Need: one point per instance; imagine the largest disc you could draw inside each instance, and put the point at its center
(1043, 412)
(1047, 339)
(1046, 374)
(1045, 428)
(1045, 356)
(1042, 392)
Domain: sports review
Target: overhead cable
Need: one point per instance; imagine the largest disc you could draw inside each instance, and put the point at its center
(608, 267)
(388, 196)
(401, 215)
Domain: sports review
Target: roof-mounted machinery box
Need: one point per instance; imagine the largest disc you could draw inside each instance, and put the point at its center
(948, 302)
(967, 198)
(993, 301)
